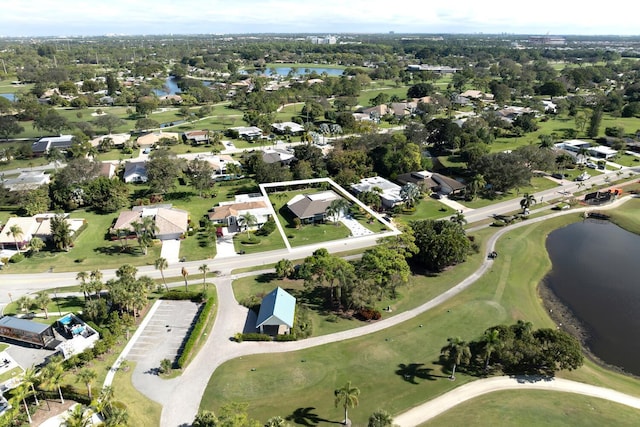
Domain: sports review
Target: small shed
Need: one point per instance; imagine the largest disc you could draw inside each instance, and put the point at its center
(27, 331)
(277, 312)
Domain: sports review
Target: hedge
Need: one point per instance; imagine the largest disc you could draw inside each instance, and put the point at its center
(196, 332)
(179, 295)
(253, 336)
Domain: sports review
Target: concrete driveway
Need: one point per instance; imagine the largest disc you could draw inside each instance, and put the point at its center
(171, 251)
(163, 337)
(224, 246)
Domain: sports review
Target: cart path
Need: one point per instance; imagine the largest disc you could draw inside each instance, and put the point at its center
(431, 409)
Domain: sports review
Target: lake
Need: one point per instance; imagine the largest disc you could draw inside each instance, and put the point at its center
(300, 71)
(595, 275)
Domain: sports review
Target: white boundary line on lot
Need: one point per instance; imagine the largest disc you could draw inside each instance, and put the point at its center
(127, 348)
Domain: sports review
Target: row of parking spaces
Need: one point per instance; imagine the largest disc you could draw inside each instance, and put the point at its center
(164, 335)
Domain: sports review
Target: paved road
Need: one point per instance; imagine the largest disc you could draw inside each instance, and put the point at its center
(422, 413)
(231, 318)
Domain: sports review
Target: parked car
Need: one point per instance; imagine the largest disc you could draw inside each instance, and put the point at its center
(557, 175)
(591, 165)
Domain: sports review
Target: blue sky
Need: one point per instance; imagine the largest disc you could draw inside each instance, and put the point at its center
(99, 17)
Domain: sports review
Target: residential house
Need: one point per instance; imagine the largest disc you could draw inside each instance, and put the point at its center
(219, 163)
(28, 180)
(509, 114)
(388, 191)
(228, 213)
(311, 208)
(432, 182)
(574, 146)
(171, 223)
(277, 312)
(135, 172)
(196, 137)
(288, 128)
(118, 139)
(275, 155)
(34, 226)
(44, 144)
(152, 138)
(107, 170)
(402, 109)
(438, 69)
(477, 95)
(250, 133)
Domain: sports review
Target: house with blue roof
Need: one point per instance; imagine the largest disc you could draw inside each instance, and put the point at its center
(277, 312)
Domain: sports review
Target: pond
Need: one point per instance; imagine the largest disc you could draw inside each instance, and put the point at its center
(9, 96)
(300, 71)
(171, 87)
(595, 276)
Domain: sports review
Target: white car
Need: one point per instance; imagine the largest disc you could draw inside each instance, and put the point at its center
(592, 165)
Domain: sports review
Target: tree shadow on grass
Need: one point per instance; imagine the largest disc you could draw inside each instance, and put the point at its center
(307, 417)
(409, 372)
(266, 278)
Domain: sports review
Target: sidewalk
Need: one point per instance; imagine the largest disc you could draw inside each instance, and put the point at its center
(445, 200)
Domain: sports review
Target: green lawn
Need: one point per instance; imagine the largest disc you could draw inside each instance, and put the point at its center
(365, 96)
(537, 184)
(627, 160)
(258, 243)
(92, 250)
(376, 363)
(145, 412)
(428, 208)
(536, 408)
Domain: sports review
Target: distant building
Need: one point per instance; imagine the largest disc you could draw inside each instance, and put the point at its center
(29, 180)
(288, 128)
(429, 181)
(250, 133)
(438, 69)
(44, 144)
(547, 40)
(196, 137)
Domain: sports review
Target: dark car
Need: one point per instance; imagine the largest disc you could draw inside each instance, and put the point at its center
(557, 175)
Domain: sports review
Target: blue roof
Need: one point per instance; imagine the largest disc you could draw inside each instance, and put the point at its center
(278, 308)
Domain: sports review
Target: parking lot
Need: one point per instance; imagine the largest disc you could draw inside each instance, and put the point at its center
(164, 335)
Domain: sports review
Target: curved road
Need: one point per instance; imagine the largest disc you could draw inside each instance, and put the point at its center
(423, 413)
(230, 319)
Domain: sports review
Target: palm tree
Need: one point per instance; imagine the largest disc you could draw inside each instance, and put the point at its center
(15, 231)
(30, 377)
(276, 421)
(204, 269)
(96, 282)
(409, 193)
(118, 417)
(475, 185)
(61, 232)
(53, 374)
(21, 393)
(185, 273)
(23, 302)
(42, 300)
(162, 263)
(78, 417)
(546, 141)
(347, 397)
(459, 218)
(380, 418)
(527, 201)
(82, 276)
(457, 352)
(87, 377)
(247, 220)
(337, 208)
(490, 343)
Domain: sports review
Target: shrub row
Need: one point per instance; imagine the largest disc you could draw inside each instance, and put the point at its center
(179, 295)
(196, 332)
(288, 337)
(253, 336)
(368, 313)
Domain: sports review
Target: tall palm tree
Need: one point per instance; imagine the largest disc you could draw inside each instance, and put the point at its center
(185, 273)
(527, 201)
(21, 393)
(15, 231)
(87, 377)
(457, 352)
(247, 220)
(31, 377)
(162, 263)
(204, 269)
(118, 417)
(490, 343)
(42, 300)
(409, 193)
(546, 141)
(96, 282)
(347, 397)
(82, 276)
(53, 374)
(61, 232)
